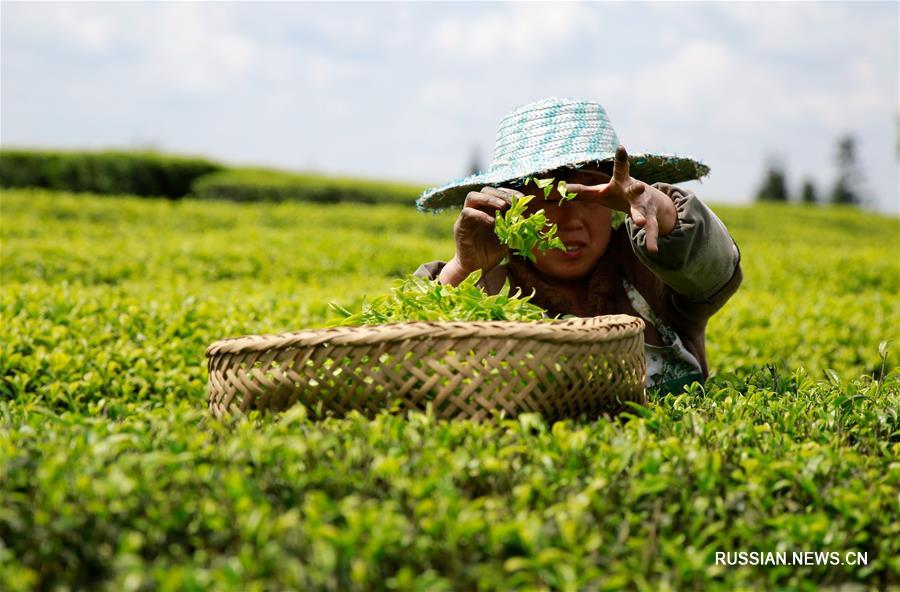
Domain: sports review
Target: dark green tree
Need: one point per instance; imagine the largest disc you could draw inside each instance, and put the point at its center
(847, 186)
(808, 193)
(475, 164)
(774, 185)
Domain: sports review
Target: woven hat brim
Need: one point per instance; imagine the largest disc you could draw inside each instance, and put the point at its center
(649, 168)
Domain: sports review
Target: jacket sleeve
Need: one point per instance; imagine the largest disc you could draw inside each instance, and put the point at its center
(698, 261)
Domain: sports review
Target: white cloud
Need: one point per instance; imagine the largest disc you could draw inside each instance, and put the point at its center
(83, 28)
(795, 27)
(522, 30)
(441, 92)
(343, 25)
(702, 80)
(187, 49)
(202, 48)
(711, 82)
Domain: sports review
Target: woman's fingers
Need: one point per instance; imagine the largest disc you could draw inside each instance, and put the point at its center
(635, 189)
(643, 213)
(504, 192)
(476, 216)
(621, 169)
(485, 201)
(620, 180)
(644, 216)
(652, 234)
(588, 190)
(477, 247)
(638, 216)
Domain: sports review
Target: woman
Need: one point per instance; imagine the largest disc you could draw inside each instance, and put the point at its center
(672, 263)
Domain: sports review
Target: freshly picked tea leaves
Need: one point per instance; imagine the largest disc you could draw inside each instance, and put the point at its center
(523, 233)
(419, 299)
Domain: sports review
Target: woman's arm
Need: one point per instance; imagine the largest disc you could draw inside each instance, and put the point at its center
(697, 258)
(676, 236)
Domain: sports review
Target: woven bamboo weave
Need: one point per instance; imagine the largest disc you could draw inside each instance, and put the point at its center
(561, 369)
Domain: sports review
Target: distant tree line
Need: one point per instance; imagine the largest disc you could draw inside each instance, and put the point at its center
(846, 188)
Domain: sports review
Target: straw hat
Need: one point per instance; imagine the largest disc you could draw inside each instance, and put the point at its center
(546, 135)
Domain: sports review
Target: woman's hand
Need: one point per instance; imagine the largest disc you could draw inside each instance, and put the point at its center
(650, 208)
(477, 247)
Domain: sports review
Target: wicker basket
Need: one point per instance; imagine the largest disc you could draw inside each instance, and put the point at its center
(571, 368)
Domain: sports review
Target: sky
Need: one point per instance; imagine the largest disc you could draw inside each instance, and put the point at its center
(412, 91)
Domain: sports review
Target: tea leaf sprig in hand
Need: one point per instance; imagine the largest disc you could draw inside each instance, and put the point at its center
(523, 233)
(547, 185)
(563, 189)
(419, 299)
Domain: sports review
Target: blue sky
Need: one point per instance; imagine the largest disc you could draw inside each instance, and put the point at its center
(408, 91)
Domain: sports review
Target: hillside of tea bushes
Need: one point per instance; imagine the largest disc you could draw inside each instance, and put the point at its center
(153, 174)
(113, 477)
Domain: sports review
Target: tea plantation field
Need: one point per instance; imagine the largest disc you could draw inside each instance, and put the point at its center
(113, 477)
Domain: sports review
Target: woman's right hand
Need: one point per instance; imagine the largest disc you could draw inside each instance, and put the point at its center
(477, 246)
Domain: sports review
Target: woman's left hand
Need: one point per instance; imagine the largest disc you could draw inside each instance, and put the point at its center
(649, 208)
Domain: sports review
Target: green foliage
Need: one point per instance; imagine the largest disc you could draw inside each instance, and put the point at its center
(113, 477)
(563, 188)
(808, 193)
(420, 299)
(846, 188)
(141, 496)
(523, 233)
(153, 174)
(85, 281)
(774, 185)
(270, 185)
(820, 291)
(137, 173)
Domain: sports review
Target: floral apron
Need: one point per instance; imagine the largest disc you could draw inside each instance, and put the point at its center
(670, 367)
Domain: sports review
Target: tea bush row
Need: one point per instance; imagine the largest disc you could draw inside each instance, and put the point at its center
(159, 175)
(161, 497)
(120, 299)
(275, 186)
(110, 172)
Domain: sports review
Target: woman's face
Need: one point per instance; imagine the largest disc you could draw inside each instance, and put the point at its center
(582, 225)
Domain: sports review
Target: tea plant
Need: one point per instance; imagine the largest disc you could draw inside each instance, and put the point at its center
(128, 496)
(113, 476)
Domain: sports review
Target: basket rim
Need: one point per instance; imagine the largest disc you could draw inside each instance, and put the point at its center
(578, 330)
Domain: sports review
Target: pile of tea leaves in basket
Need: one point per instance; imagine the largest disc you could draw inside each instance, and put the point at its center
(420, 299)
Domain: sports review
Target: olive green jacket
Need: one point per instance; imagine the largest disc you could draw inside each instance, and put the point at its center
(695, 271)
